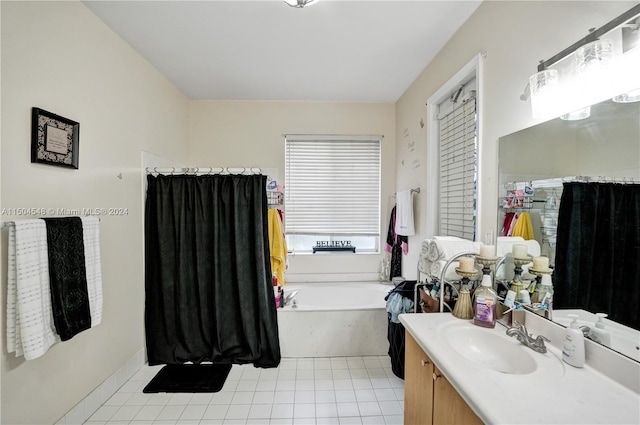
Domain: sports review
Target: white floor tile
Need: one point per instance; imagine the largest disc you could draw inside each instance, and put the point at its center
(369, 408)
(170, 412)
(286, 385)
(304, 410)
(373, 420)
(260, 411)
(148, 413)
(385, 394)
(326, 410)
(201, 398)
(247, 385)
(125, 413)
(328, 421)
(284, 397)
(305, 391)
(325, 396)
(238, 411)
(305, 385)
(242, 397)
(394, 420)
(281, 411)
(305, 397)
(348, 409)
(345, 396)
(269, 385)
(351, 420)
(390, 408)
(324, 384)
(215, 411)
(263, 397)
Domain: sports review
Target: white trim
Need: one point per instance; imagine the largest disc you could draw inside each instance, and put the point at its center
(474, 68)
(92, 402)
(312, 137)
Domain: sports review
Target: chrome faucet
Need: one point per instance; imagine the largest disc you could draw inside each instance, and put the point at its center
(536, 344)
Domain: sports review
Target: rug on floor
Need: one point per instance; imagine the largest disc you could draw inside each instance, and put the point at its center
(189, 378)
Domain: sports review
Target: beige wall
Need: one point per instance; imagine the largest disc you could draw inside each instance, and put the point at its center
(58, 56)
(515, 35)
(241, 134)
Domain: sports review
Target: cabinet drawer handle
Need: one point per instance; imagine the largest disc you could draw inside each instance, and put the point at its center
(436, 376)
(425, 362)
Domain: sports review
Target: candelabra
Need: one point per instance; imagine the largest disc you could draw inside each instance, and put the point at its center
(463, 308)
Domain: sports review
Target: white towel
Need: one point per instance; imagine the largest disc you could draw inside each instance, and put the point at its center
(448, 248)
(91, 239)
(404, 213)
(30, 328)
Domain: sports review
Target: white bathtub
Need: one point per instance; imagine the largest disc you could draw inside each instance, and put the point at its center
(334, 319)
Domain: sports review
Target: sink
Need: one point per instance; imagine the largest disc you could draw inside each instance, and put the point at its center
(489, 348)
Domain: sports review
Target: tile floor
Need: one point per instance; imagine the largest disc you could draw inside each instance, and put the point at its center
(317, 391)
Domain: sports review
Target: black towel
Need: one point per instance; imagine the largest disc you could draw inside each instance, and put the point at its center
(68, 276)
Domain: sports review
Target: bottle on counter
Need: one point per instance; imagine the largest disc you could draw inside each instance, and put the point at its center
(573, 349)
(484, 304)
(545, 294)
(598, 333)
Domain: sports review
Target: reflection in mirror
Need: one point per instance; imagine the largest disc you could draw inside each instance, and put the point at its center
(535, 163)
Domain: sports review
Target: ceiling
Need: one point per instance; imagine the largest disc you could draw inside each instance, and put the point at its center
(342, 51)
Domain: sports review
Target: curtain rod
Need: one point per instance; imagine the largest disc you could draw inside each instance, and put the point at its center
(206, 170)
(577, 179)
(13, 223)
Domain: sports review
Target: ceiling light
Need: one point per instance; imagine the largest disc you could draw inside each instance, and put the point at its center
(300, 3)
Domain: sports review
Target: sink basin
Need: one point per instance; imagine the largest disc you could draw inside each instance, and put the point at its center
(490, 349)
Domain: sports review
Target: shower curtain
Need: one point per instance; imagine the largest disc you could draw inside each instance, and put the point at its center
(598, 250)
(209, 292)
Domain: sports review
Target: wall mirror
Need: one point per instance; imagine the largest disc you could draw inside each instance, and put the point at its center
(605, 146)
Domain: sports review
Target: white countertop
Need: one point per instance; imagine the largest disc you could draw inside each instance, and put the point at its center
(555, 393)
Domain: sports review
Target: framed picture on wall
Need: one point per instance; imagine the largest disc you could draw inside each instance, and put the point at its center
(54, 139)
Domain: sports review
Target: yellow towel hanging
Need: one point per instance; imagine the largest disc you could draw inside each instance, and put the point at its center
(524, 227)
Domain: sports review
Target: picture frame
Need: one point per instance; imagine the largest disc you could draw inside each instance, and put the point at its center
(55, 139)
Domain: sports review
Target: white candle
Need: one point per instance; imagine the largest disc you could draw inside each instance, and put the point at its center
(540, 263)
(467, 264)
(487, 251)
(519, 251)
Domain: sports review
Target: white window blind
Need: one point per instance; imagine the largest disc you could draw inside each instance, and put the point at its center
(332, 185)
(458, 170)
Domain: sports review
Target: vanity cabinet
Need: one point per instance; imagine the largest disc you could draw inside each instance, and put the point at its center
(428, 397)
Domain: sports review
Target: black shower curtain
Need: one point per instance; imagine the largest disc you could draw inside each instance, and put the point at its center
(598, 250)
(209, 293)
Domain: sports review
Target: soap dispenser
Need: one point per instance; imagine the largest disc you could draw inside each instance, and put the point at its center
(598, 333)
(573, 349)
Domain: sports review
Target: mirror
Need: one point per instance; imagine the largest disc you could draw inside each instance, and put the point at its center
(604, 146)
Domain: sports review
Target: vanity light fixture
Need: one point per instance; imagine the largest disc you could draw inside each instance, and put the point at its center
(632, 96)
(580, 114)
(299, 4)
(587, 72)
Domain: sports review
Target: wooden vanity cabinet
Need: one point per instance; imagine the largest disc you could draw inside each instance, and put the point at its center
(428, 397)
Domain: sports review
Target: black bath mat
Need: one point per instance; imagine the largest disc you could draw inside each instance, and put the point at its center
(189, 378)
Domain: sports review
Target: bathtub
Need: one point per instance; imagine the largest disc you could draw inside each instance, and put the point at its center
(334, 319)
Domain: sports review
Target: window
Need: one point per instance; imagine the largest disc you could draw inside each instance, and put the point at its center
(332, 192)
(458, 165)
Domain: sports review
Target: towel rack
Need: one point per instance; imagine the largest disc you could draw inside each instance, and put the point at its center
(13, 223)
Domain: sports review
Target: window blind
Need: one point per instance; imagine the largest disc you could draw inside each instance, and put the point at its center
(458, 170)
(332, 185)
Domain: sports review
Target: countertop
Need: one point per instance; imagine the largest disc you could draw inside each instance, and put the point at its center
(555, 393)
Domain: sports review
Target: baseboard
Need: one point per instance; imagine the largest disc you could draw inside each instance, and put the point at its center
(92, 402)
